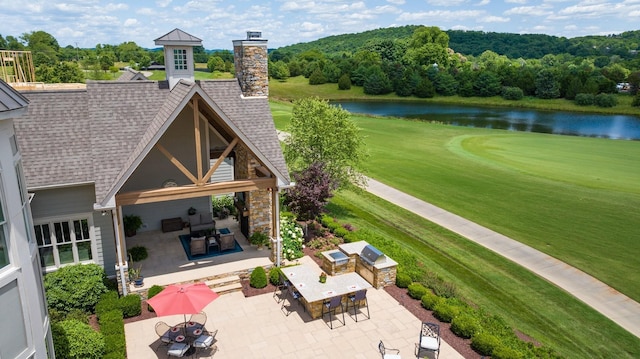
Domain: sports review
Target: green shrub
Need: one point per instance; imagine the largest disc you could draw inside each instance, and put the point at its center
(138, 253)
(113, 355)
(444, 289)
(446, 310)
(75, 287)
(505, 352)
(111, 322)
(430, 300)
(403, 280)
(465, 325)
(274, 275)
(130, 305)
(584, 99)
(416, 290)
(75, 340)
(258, 278)
(606, 100)
(484, 343)
(153, 291)
(512, 93)
(636, 100)
(108, 302)
(341, 232)
(351, 237)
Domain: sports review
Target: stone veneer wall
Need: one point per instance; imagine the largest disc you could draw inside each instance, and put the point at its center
(251, 63)
(257, 202)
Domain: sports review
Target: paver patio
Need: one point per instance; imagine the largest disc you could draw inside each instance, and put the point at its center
(255, 327)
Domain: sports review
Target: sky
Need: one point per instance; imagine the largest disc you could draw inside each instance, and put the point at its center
(85, 23)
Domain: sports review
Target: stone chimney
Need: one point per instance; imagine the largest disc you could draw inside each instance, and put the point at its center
(178, 55)
(251, 61)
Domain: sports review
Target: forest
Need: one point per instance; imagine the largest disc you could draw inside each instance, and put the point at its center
(419, 61)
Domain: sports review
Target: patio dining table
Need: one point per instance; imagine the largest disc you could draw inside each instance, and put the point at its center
(306, 280)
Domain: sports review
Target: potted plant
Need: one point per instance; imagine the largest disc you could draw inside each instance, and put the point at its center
(131, 224)
(135, 276)
(323, 277)
(259, 239)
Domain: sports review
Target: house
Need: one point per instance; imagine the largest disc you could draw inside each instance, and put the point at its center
(130, 74)
(149, 148)
(24, 325)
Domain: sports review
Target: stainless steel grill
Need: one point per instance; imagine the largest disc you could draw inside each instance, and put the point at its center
(372, 255)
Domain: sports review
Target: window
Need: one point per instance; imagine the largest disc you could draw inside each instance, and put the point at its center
(180, 59)
(11, 346)
(64, 242)
(24, 201)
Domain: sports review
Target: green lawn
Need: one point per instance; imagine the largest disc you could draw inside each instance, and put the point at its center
(527, 303)
(574, 198)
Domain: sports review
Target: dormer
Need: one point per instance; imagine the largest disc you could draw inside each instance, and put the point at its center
(178, 55)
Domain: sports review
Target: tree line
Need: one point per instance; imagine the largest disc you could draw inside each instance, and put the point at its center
(424, 64)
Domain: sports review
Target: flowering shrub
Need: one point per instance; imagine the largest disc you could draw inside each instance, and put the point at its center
(292, 239)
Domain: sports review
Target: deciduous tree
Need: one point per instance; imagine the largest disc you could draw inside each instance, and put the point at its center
(314, 186)
(320, 132)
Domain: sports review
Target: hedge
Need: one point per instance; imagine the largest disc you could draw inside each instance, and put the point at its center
(73, 339)
(130, 305)
(417, 290)
(403, 280)
(76, 286)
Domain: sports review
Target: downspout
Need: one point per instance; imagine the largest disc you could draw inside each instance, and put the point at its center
(276, 198)
(116, 230)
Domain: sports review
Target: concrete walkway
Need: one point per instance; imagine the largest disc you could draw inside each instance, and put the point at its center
(614, 305)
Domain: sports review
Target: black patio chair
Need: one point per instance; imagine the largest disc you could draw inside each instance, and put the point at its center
(294, 295)
(429, 340)
(281, 289)
(331, 305)
(383, 351)
(357, 300)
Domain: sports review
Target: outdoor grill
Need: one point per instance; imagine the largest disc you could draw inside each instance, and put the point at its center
(372, 255)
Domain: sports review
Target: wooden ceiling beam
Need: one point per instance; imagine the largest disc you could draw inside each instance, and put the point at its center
(177, 163)
(221, 158)
(192, 191)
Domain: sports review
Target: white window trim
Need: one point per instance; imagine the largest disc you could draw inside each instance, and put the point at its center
(70, 218)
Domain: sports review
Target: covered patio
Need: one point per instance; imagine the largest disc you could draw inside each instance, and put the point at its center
(255, 327)
(167, 262)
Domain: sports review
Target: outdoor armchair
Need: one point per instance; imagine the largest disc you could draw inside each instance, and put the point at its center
(163, 331)
(383, 351)
(198, 245)
(227, 241)
(429, 340)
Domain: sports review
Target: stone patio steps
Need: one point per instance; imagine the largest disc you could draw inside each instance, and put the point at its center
(225, 285)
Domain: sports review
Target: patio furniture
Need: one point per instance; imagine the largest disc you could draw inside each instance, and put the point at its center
(178, 350)
(205, 341)
(212, 241)
(198, 245)
(164, 332)
(227, 241)
(331, 305)
(429, 339)
(197, 321)
(383, 351)
(294, 294)
(356, 301)
(201, 222)
(171, 224)
(282, 287)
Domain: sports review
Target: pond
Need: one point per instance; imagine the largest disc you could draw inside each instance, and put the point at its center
(563, 123)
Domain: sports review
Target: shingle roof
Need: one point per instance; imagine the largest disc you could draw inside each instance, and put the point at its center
(178, 37)
(100, 134)
(10, 99)
(131, 74)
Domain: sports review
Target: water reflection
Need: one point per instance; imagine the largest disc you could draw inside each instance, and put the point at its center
(563, 123)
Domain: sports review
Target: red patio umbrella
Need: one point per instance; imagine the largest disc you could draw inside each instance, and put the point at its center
(182, 299)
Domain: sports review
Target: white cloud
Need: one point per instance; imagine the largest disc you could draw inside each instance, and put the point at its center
(516, 1)
(163, 3)
(492, 18)
(396, 2)
(440, 15)
(446, 2)
(483, 3)
(130, 22)
(529, 10)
